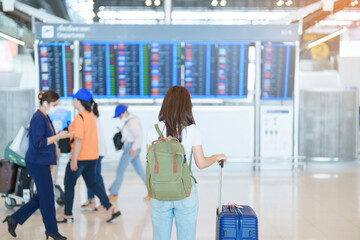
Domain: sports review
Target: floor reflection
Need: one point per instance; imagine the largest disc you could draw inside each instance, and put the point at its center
(311, 204)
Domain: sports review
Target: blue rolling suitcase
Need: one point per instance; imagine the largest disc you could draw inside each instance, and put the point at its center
(233, 221)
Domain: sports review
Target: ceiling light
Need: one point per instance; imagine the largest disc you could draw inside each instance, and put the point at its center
(328, 37)
(157, 3)
(289, 3)
(223, 3)
(280, 3)
(148, 3)
(214, 3)
(356, 2)
(353, 4)
(3, 35)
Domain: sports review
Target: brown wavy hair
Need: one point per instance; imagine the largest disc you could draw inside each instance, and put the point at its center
(176, 111)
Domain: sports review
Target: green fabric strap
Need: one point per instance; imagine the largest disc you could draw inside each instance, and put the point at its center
(158, 131)
(190, 161)
(190, 169)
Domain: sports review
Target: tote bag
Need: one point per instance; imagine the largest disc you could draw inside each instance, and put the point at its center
(20, 144)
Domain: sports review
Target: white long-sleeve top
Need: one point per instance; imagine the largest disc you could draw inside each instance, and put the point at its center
(101, 138)
(132, 132)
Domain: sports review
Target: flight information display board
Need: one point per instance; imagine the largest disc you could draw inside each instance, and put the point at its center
(149, 69)
(95, 63)
(55, 68)
(196, 68)
(125, 69)
(160, 67)
(278, 71)
(229, 69)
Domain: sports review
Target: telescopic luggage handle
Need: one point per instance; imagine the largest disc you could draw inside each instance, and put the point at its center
(221, 166)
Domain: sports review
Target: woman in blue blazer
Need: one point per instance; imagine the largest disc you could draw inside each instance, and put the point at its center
(39, 157)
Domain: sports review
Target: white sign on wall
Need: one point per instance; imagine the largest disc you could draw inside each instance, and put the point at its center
(276, 131)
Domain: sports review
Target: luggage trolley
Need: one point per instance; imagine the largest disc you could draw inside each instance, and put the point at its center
(25, 186)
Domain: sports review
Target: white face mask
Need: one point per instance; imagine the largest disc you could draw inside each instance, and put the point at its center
(124, 119)
(52, 110)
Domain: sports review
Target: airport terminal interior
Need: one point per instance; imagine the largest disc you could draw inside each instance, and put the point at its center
(274, 86)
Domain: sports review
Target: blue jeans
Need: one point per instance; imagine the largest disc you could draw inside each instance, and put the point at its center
(185, 212)
(99, 178)
(88, 170)
(124, 162)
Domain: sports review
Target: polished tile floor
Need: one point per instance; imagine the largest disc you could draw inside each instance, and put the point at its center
(314, 204)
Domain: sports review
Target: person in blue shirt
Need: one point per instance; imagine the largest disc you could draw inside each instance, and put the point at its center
(39, 158)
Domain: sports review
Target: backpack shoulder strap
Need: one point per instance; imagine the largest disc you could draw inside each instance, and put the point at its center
(192, 176)
(183, 127)
(190, 161)
(158, 131)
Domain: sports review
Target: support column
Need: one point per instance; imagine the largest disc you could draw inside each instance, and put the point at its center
(76, 68)
(167, 11)
(37, 72)
(296, 103)
(76, 85)
(257, 105)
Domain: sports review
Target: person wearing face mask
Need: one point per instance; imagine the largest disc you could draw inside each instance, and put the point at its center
(132, 137)
(39, 157)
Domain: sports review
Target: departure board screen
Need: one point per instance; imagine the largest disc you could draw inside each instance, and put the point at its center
(278, 71)
(94, 67)
(125, 73)
(55, 68)
(149, 69)
(195, 68)
(160, 67)
(229, 69)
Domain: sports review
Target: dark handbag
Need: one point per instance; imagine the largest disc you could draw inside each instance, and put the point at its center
(65, 143)
(117, 140)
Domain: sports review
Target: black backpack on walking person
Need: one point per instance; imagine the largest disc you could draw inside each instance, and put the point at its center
(65, 144)
(118, 141)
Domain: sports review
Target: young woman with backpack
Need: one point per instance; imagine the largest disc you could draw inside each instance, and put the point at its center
(176, 120)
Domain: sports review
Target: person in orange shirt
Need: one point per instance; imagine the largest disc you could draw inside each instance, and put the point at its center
(84, 156)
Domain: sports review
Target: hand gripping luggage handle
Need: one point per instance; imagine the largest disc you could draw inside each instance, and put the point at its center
(221, 166)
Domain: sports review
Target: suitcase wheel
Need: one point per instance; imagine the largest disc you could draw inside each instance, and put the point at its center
(10, 203)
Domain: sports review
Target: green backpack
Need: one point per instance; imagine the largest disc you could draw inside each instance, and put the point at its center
(168, 176)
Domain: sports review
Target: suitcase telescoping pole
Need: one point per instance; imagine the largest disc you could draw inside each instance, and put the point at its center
(221, 166)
